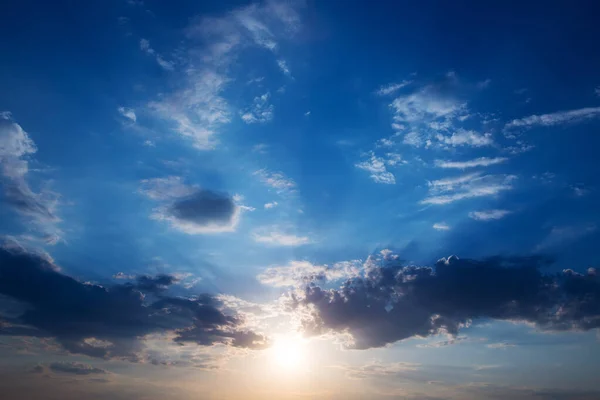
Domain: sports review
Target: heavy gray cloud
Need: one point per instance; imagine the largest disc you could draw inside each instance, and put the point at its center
(109, 322)
(390, 302)
(191, 209)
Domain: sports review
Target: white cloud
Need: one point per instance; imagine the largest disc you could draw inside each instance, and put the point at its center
(145, 47)
(464, 137)
(391, 88)
(274, 236)
(260, 148)
(415, 139)
(488, 215)
(171, 187)
(198, 109)
(477, 162)
(441, 226)
(283, 66)
(385, 142)
(425, 104)
(557, 118)
(306, 114)
(198, 112)
(276, 180)
(394, 159)
(16, 149)
(468, 186)
(260, 112)
(501, 345)
(301, 272)
(271, 205)
(127, 113)
(597, 91)
(376, 167)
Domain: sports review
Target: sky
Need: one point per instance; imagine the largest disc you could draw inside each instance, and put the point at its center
(299, 200)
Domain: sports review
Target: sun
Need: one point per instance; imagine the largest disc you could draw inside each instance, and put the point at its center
(288, 353)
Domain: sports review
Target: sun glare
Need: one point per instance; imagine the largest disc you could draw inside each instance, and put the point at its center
(288, 353)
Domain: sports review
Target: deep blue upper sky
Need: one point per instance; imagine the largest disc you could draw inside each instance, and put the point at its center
(234, 146)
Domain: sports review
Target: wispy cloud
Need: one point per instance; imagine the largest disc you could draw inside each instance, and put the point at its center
(271, 205)
(484, 84)
(302, 272)
(274, 236)
(164, 64)
(489, 215)
(500, 345)
(447, 191)
(376, 167)
(441, 226)
(562, 235)
(283, 66)
(261, 111)
(16, 149)
(463, 137)
(477, 162)
(199, 109)
(127, 113)
(391, 88)
(275, 180)
(557, 118)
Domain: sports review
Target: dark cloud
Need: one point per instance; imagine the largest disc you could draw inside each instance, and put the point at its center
(204, 208)
(108, 321)
(196, 211)
(155, 284)
(390, 302)
(76, 368)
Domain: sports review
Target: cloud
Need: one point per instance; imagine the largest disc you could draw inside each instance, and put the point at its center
(75, 368)
(389, 302)
(16, 148)
(275, 237)
(303, 272)
(484, 84)
(597, 91)
(428, 103)
(464, 137)
(391, 88)
(376, 167)
(283, 66)
(191, 209)
(127, 113)
(260, 112)
(108, 322)
(561, 235)
(164, 64)
(271, 205)
(501, 345)
(379, 369)
(441, 226)
(477, 162)
(198, 110)
(468, 186)
(553, 119)
(444, 343)
(276, 180)
(488, 215)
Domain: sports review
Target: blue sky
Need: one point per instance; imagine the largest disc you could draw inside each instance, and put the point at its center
(262, 181)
